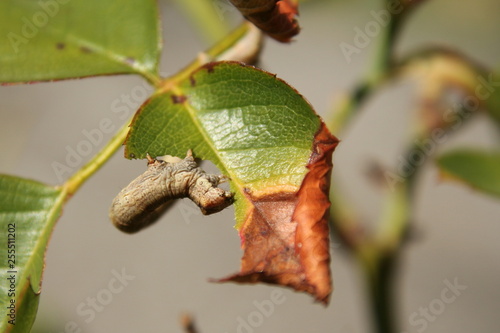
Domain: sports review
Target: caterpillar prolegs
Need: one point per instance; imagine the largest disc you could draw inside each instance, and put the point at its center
(166, 178)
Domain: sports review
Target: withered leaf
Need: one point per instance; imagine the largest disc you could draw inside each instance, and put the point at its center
(274, 17)
(285, 236)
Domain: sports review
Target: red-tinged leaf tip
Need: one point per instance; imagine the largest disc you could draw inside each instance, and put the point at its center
(285, 236)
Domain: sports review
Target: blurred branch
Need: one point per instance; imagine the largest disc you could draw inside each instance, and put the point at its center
(376, 252)
(440, 72)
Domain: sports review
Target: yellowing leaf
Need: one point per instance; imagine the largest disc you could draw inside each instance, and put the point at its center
(276, 151)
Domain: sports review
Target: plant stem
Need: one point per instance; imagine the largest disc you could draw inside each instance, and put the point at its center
(380, 282)
(376, 253)
(380, 69)
(78, 178)
(152, 78)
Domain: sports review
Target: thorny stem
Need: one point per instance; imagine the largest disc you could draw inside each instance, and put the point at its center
(79, 177)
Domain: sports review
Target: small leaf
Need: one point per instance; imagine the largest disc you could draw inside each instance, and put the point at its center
(50, 40)
(275, 149)
(480, 170)
(28, 212)
(274, 17)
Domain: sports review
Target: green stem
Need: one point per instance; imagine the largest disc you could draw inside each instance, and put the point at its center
(152, 78)
(380, 283)
(78, 178)
(383, 60)
(376, 253)
(380, 70)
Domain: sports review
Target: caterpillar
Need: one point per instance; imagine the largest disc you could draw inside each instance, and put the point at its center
(167, 178)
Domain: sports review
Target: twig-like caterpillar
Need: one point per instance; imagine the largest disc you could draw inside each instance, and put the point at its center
(149, 195)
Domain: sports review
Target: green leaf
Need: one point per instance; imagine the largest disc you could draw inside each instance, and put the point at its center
(254, 127)
(60, 39)
(480, 170)
(28, 212)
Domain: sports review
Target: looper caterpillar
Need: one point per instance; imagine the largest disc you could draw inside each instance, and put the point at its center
(146, 197)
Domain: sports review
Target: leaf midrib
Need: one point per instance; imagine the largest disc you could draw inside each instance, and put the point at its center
(192, 114)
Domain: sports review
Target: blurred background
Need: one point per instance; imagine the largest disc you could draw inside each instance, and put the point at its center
(168, 265)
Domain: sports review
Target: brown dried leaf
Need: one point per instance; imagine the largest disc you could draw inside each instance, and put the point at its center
(274, 17)
(285, 237)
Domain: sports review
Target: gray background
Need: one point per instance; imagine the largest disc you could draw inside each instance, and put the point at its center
(457, 229)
